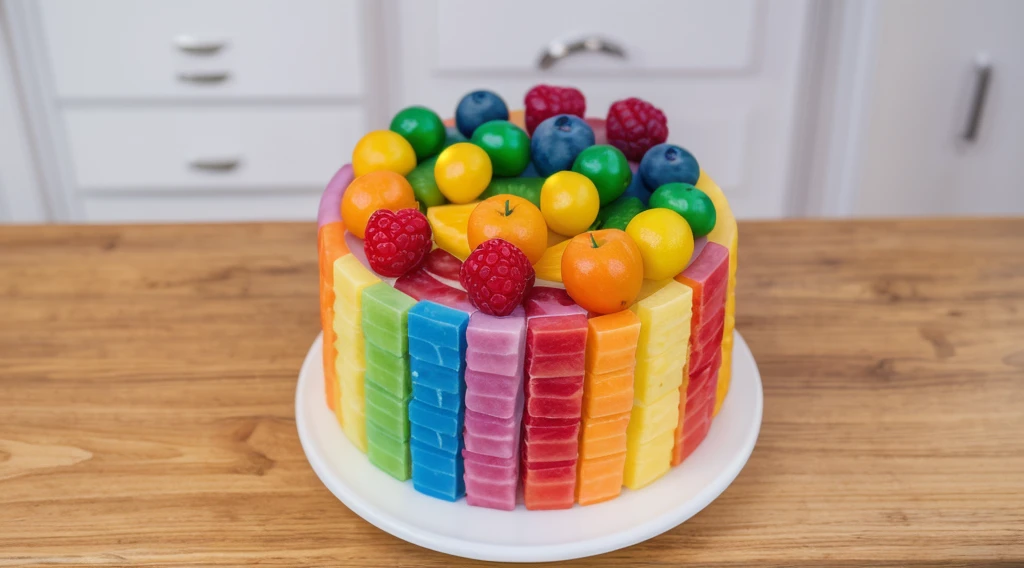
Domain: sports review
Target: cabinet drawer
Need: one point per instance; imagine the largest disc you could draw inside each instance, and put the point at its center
(208, 207)
(197, 147)
(682, 35)
(204, 48)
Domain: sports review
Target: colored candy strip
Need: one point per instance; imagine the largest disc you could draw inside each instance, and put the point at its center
(556, 339)
(607, 401)
(708, 278)
(437, 351)
(661, 356)
(494, 408)
(351, 278)
(330, 247)
(388, 381)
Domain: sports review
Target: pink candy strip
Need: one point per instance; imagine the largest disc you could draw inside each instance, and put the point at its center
(330, 200)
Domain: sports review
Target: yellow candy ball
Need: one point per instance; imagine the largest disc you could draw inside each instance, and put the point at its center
(462, 172)
(665, 241)
(569, 202)
(383, 150)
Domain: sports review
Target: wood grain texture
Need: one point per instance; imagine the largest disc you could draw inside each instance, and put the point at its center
(147, 379)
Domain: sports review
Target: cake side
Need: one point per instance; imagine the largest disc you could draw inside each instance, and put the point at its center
(569, 404)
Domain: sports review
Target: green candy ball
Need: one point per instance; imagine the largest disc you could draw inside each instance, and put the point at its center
(421, 178)
(608, 168)
(506, 144)
(691, 203)
(422, 128)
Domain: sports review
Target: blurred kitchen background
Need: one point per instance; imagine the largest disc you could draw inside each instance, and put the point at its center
(199, 110)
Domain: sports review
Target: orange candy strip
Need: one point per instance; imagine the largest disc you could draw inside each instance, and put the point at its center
(601, 479)
(330, 247)
(607, 403)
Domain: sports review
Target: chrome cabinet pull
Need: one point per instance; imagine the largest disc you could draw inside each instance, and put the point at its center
(982, 78)
(558, 50)
(217, 163)
(203, 76)
(192, 44)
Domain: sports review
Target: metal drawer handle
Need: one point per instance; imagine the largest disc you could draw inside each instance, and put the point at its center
(192, 44)
(982, 77)
(216, 163)
(203, 76)
(558, 50)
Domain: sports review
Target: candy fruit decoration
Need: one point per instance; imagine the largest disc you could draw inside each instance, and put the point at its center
(477, 108)
(450, 224)
(637, 188)
(383, 150)
(544, 101)
(421, 178)
(557, 141)
(497, 275)
(549, 267)
(513, 219)
(634, 126)
(396, 241)
(422, 128)
(668, 163)
(602, 270)
(526, 187)
(376, 190)
(665, 242)
(691, 203)
(619, 214)
(453, 136)
(607, 167)
(569, 202)
(506, 144)
(462, 172)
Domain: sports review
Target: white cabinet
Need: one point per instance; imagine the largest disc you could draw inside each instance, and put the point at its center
(727, 73)
(237, 109)
(683, 35)
(237, 148)
(914, 157)
(203, 48)
(187, 110)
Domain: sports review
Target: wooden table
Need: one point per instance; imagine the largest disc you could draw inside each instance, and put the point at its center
(147, 380)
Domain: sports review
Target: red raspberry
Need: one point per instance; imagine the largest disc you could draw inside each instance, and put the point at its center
(544, 101)
(634, 126)
(497, 275)
(396, 241)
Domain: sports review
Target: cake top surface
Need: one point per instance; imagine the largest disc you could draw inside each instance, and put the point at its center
(540, 211)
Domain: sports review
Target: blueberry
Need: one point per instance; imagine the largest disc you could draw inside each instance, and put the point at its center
(453, 136)
(557, 141)
(667, 163)
(636, 189)
(530, 171)
(477, 108)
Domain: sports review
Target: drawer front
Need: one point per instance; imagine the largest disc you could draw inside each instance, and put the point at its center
(175, 148)
(204, 48)
(726, 73)
(681, 35)
(211, 207)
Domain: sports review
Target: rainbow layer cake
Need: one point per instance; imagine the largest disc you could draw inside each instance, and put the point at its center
(526, 308)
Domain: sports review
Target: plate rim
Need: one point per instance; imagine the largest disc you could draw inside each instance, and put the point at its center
(538, 553)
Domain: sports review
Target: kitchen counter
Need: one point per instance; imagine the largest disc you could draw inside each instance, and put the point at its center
(147, 381)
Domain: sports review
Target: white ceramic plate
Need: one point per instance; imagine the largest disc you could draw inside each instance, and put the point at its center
(521, 535)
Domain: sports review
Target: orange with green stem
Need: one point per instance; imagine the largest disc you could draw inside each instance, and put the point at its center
(603, 270)
(513, 219)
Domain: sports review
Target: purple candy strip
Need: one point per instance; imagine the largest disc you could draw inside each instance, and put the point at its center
(330, 201)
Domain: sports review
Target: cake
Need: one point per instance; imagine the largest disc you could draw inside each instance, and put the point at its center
(526, 307)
